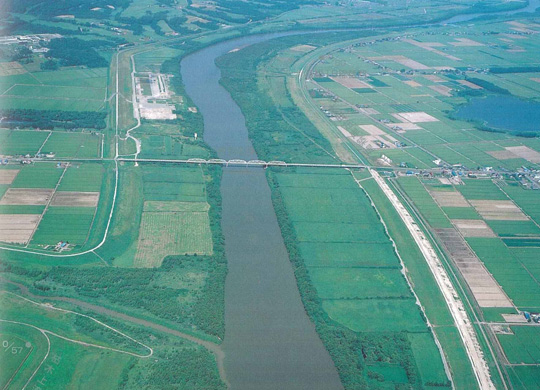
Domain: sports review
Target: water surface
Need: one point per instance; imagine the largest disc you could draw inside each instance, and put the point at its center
(503, 113)
(270, 342)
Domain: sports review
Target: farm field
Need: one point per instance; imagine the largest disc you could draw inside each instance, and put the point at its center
(522, 346)
(40, 209)
(154, 264)
(171, 196)
(59, 144)
(354, 269)
(404, 91)
(180, 232)
(63, 90)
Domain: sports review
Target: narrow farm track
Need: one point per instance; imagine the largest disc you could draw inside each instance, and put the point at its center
(210, 346)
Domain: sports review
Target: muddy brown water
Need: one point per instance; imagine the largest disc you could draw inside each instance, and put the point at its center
(269, 342)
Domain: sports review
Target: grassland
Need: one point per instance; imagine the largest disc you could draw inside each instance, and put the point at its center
(65, 90)
(81, 349)
(180, 233)
(351, 266)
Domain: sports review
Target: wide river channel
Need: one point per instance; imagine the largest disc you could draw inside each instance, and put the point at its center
(270, 342)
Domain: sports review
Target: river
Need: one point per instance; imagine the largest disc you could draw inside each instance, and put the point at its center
(270, 342)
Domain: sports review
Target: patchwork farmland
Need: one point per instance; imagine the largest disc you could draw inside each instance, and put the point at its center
(116, 266)
(39, 210)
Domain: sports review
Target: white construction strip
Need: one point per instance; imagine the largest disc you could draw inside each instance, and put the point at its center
(461, 319)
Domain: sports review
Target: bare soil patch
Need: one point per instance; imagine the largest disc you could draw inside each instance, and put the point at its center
(403, 61)
(449, 199)
(466, 42)
(502, 154)
(485, 289)
(442, 89)
(27, 196)
(412, 83)
(499, 210)
(372, 130)
(434, 78)
(17, 228)
(76, 199)
(415, 117)
(350, 82)
(469, 84)
(525, 152)
(473, 228)
(8, 175)
(406, 126)
(369, 111)
(11, 68)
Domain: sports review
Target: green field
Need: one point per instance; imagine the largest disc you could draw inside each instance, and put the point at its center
(358, 283)
(172, 231)
(516, 277)
(71, 224)
(15, 142)
(425, 203)
(65, 90)
(81, 145)
(352, 265)
(523, 346)
(39, 175)
(82, 177)
(376, 315)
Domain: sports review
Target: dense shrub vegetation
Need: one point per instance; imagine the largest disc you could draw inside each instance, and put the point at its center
(49, 119)
(74, 51)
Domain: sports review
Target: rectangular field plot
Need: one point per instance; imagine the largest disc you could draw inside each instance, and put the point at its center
(20, 142)
(26, 196)
(449, 199)
(483, 286)
(499, 210)
(481, 190)
(350, 283)
(44, 103)
(425, 350)
(164, 233)
(78, 77)
(174, 184)
(75, 199)
(83, 177)
(461, 213)
(8, 175)
(73, 144)
(427, 206)
(71, 224)
(39, 175)
(509, 271)
(339, 233)
(527, 200)
(525, 377)
(473, 228)
(377, 315)
(55, 91)
(523, 346)
(66, 89)
(17, 228)
(350, 254)
(514, 228)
